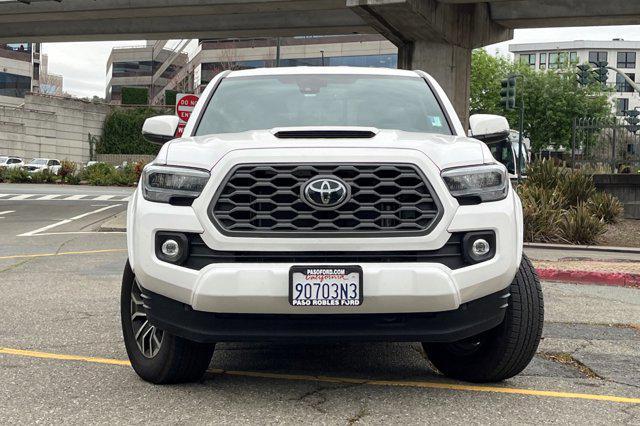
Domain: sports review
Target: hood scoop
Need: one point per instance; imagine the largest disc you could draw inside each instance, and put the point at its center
(325, 133)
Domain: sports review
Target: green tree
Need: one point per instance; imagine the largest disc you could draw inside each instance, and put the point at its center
(486, 73)
(552, 98)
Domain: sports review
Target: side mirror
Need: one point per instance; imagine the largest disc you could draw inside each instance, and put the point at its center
(488, 127)
(161, 129)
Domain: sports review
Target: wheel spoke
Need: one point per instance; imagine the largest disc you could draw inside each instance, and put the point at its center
(138, 315)
(142, 329)
(134, 299)
(155, 338)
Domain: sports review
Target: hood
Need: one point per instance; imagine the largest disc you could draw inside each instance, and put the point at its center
(204, 152)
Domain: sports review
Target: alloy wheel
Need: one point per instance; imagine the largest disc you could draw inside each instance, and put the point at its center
(148, 337)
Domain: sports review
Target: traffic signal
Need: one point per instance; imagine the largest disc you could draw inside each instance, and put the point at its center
(601, 72)
(584, 75)
(632, 120)
(508, 93)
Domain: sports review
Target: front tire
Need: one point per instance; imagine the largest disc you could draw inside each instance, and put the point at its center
(157, 356)
(504, 351)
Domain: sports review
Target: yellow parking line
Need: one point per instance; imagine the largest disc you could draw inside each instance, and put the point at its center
(346, 380)
(46, 355)
(66, 253)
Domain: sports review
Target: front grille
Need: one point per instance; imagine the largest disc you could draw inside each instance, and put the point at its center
(265, 200)
(200, 255)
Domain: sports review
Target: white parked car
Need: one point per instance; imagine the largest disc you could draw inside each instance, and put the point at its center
(11, 162)
(42, 164)
(327, 204)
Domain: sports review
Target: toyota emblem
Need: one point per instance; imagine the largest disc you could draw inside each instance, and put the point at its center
(325, 192)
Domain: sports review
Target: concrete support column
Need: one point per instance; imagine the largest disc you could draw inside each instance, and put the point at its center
(449, 64)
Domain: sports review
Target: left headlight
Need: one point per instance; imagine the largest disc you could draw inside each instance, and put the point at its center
(174, 185)
(472, 185)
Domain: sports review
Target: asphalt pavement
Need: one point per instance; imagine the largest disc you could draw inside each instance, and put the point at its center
(62, 359)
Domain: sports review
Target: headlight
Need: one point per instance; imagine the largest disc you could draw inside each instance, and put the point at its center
(473, 185)
(174, 185)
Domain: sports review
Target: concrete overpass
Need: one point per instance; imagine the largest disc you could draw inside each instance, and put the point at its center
(434, 35)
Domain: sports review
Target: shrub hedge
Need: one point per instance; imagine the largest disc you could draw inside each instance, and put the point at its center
(135, 96)
(563, 206)
(122, 132)
(100, 174)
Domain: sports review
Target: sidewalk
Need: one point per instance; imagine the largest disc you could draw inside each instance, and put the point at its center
(581, 265)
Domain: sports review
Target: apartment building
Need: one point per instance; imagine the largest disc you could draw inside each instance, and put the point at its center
(618, 53)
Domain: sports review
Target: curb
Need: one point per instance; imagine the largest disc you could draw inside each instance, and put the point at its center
(116, 223)
(615, 279)
(610, 249)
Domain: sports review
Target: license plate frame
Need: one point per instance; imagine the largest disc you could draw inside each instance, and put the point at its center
(328, 302)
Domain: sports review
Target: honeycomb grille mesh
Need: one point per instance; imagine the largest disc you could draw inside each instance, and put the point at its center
(391, 198)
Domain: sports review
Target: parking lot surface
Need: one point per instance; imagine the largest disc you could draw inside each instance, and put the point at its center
(62, 358)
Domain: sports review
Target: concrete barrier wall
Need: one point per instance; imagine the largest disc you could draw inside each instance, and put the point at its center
(117, 159)
(50, 127)
(624, 186)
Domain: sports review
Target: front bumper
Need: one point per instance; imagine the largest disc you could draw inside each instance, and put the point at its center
(468, 320)
(262, 288)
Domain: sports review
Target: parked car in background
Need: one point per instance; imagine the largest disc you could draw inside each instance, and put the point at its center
(122, 166)
(7, 162)
(42, 164)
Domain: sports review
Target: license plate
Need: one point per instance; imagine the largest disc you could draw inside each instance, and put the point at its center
(325, 286)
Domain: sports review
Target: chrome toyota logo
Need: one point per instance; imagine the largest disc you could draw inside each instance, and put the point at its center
(325, 192)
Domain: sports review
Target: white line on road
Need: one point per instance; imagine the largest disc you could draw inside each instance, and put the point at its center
(65, 197)
(21, 197)
(6, 212)
(65, 221)
(75, 197)
(48, 197)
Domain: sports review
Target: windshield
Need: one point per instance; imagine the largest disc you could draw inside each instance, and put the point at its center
(38, 162)
(264, 102)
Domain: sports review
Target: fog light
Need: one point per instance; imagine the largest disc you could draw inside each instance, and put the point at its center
(480, 247)
(171, 249)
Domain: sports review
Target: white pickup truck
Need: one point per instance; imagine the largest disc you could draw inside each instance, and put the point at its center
(327, 204)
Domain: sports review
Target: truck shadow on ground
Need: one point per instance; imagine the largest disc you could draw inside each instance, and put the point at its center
(379, 360)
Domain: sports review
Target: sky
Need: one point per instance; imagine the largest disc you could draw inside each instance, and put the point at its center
(83, 65)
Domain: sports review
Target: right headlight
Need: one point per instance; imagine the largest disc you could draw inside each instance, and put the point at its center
(174, 185)
(477, 184)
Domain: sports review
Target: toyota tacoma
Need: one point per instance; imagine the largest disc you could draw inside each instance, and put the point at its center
(322, 204)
